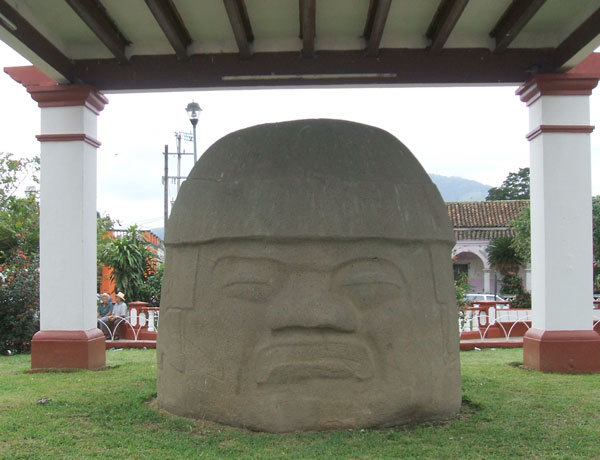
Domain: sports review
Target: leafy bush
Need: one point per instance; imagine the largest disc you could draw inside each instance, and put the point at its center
(131, 262)
(461, 288)
(150, 289)
(513, 285)
(19, 300)
(503, 256)
(18, 215)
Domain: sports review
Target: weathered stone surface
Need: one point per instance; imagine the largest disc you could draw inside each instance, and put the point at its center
(308, 284)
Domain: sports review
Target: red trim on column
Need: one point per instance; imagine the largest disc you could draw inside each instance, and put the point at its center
(577, 129)
(47, 93)
(562, 351)
(67, 138)
(68, 350)
(556, 85)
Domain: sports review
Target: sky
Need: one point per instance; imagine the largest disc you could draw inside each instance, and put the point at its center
(473, 132)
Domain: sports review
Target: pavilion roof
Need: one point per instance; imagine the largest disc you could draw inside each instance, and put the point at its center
(183, 44)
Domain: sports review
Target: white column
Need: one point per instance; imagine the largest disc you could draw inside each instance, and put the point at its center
(68, 218)
(486, 280)
(68, 337)
(561, 338)
(561, 222)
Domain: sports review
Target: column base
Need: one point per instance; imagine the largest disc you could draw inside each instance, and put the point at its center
(562, 351)
(68, 350)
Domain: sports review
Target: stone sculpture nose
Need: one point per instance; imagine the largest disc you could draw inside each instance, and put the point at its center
(310, 305)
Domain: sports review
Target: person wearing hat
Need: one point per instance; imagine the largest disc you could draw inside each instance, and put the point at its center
(119, 311)
(104, 312)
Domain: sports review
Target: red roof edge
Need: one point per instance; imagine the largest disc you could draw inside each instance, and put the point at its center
(590, 66)
(29, 75)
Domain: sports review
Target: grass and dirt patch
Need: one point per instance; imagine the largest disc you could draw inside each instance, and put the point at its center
(508, 412)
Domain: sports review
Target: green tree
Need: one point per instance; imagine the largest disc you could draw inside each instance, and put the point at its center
(104, 224)
(522, 239)
(19, 300)
(130, 259)
(596, 240)
(504, 258)
(151, 289)
(514, 187)
(19, 216)
(502, 255)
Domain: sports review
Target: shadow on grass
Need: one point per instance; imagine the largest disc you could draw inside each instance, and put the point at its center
(203, 426)
(70, 370)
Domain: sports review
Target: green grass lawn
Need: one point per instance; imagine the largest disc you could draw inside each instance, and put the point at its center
(513, 413)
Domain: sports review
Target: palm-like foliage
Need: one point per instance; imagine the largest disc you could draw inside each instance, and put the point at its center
(503, 256)
(131, 262)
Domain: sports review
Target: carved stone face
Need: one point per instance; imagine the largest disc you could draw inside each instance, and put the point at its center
(308, 284)
(294, 335)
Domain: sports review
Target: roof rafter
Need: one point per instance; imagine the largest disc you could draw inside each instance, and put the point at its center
(512, 22)
(27, 34)
(240, 23)
(308, 27)
(443, 22)
(169, 20)
(95, 17)
(376, 19)
(579, 38)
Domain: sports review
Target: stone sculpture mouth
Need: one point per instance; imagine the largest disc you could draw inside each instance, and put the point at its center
(297, 362)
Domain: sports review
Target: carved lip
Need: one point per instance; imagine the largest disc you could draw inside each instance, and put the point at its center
(296, 362)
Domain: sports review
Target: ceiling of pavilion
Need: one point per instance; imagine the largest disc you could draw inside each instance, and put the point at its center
(162, 44)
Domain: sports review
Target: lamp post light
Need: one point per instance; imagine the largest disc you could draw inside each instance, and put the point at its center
(193, 109)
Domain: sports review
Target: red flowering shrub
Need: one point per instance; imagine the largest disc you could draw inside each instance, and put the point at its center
(19, 301)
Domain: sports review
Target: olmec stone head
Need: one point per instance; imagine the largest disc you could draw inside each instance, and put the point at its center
(308, 284)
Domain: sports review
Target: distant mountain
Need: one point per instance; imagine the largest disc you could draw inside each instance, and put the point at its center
(451, 188)
(459, 189)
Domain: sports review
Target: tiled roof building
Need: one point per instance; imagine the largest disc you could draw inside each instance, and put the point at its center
(476, 220)
(475, 224)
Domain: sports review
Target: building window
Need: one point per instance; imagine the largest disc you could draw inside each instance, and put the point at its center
(460, 268)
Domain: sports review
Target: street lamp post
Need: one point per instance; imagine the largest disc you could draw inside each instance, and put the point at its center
(193, 109)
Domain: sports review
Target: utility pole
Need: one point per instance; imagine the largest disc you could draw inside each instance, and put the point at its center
(176, 179)
(178, 136)
(166, 191)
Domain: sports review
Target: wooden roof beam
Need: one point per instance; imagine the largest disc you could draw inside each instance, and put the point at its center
(240, 23)
(169, 20)
(308, 27)
(512, 22)
(579, 38)
(376, 19)
(443, 22)
(21, 29)
(97, 19)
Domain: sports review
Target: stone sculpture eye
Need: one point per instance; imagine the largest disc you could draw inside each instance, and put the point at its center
(253, 291)
(248, 279)
(369, 282)
(366, 294)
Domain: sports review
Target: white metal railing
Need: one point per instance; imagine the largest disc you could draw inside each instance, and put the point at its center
(146, 319)
(484, 315)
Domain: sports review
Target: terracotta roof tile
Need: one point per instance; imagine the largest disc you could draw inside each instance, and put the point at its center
(478, 234)
(484, 214)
